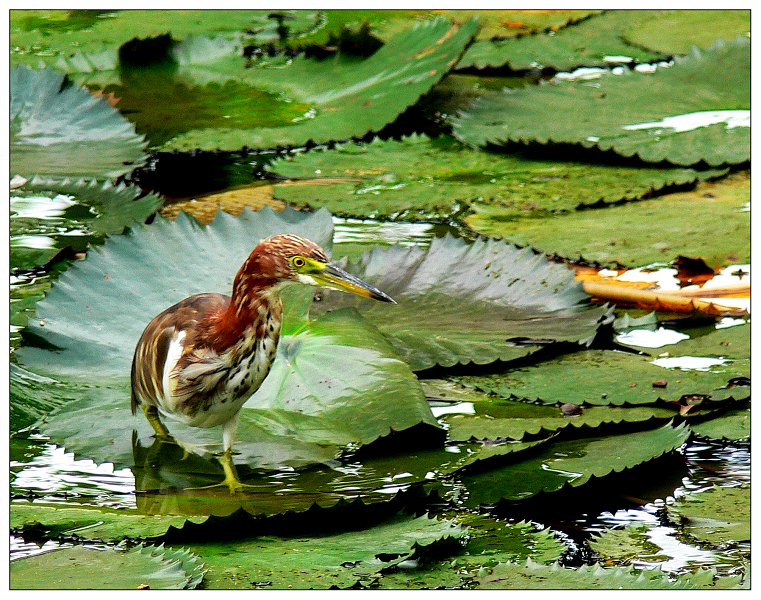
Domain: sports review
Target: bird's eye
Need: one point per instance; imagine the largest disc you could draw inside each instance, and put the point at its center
(298, 262)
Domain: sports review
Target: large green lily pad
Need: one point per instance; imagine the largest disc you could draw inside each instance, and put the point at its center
(733, 424)
(60, 130)
(89, 323)
(337, 98)
(338, 560)
(677, 31)
(419, 177)
(49, 215)
(629, 543)
(572, 463)
(82, 568)
(481, 302)
(532, 575)
(712, 222)
(697, 111)
(717, 516)
(594, 42)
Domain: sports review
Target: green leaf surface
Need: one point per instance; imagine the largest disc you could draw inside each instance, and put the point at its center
(572, 463)
(59, 130)
(711, 222)
(419, 177)
(460, 303)
(632, 542)
(92, 523)
(596, 41)
(610, 377)
(304, 413)
(694, 112)
(50, 215)
(733, 425)
(532, 575)
(720, 515)
(677, 31)
(80, 567)
(348, 98)
(34, 396)
(332, 561)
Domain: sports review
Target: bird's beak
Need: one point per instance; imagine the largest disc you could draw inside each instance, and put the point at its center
(338, 279)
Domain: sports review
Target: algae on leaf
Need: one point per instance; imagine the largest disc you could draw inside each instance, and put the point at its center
(697, 111)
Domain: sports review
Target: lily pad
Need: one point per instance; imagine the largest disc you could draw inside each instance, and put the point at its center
(733, 424)
(629, 543)
(593, 42)
(419, 177)
(50, 215)
(339, 98)
(712, 222)
(92, 524)
(339, 560)
(677, 31)
(482, 302)
(81, 567)
(609, 377)
(717, 516)
(532, 575)
(573, 463)
(697, 111)
(304, 413)
(60, 130)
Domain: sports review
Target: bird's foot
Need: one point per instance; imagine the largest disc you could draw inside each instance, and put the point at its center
(231, 480)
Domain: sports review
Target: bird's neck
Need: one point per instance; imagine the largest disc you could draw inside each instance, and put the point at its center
(255, 305)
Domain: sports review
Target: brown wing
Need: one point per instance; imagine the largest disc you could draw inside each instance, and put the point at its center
(151, 350)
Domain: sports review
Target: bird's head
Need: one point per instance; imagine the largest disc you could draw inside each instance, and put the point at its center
(289, 257)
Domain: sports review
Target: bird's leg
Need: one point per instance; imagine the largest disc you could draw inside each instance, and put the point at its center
(228, 437)
(152, 414)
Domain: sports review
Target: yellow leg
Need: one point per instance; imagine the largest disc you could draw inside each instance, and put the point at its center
(231, 475)
(152, 414)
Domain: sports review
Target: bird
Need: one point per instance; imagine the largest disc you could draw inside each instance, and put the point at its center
(199, 360)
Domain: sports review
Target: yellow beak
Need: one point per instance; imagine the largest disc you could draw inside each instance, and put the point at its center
(338, 279)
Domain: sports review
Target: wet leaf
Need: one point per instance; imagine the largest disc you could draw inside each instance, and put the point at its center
(59, 130)
(460, 303)
(91, 523)
(596, 41)
(677, 31)
(419, 177)
(51, 215)
(680, 114)
(572, 463)
(205, 208)
(720, 515)
(81, 567)
(321, 562)
(644, 232)
(733, 424)
(627, 544)
(304, 412)
(531, 575)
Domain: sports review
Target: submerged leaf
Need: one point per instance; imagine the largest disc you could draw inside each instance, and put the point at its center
(460, 303)
(686, 114)
(717, 516)
(59, 130)
(420, 177)
(81, 567)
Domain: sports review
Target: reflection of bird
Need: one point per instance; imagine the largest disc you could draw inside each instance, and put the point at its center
(201, 359)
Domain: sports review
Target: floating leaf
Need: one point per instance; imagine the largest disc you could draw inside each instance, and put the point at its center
(686, 114)
(80, 567)
(331, 561)
(419, 177)
(644, 232)
(89, 323)
(342, 98)
(59, 130)
(624, 545)
(717, 516)
(572, 463)
(480, 302)
(733, 424)
(532, 575)
(205, 208)
(596, 41)
(49, 215)
(92, 523)
(677, 31)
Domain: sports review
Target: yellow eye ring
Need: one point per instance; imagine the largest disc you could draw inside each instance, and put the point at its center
(299, 262)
